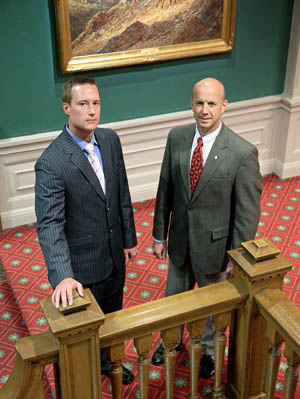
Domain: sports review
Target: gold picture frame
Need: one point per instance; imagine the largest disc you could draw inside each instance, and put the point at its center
(81, 52)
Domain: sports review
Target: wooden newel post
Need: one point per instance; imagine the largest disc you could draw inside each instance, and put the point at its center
(257, 266)
(76, 330)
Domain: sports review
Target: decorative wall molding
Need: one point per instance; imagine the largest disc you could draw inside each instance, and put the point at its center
(259, 121)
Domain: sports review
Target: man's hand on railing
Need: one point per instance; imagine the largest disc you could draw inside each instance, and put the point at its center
(229, 270)
(63, 292)
(160, 249)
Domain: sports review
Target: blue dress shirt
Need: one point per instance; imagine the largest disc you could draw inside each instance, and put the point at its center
(82, 144)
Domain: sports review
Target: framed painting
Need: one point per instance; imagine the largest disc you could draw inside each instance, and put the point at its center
(96, 34)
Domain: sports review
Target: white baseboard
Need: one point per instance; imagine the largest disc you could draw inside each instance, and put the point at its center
(286, 170)
(143, 142)
(18, 217)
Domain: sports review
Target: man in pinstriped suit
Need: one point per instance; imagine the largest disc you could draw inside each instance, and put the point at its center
(87, 235)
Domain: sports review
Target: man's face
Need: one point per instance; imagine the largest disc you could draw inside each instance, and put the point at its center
(208, 105)
(84, 111)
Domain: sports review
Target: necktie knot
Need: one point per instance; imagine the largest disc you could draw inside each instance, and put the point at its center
(89, 147)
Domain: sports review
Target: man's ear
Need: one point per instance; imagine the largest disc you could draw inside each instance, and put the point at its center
(66, 108)
(224, 105)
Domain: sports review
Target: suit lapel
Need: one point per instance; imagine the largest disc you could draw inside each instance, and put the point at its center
(216, 156)
(78, 159)
(185, 155)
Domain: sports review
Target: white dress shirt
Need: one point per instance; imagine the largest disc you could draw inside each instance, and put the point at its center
(208, 142)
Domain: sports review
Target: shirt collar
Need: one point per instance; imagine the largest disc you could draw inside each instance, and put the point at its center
(82, 143)
(209, 137)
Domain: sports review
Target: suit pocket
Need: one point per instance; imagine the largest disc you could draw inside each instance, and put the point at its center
(80, 241)
(220, 232)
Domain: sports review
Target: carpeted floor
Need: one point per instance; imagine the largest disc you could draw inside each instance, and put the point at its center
(23, 283)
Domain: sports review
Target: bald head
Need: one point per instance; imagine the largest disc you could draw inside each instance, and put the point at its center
(210, 84)
(208, 104)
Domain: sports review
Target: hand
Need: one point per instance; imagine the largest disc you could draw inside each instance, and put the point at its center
(160, 250)
(63, 292)
(130, 253)
(229, 270)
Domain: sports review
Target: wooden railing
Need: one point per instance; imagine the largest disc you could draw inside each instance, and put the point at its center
(283, 320)
(252, 305)
(166, 315)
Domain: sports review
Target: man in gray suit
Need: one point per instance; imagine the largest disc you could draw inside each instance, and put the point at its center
(84, 214)
(204, 216)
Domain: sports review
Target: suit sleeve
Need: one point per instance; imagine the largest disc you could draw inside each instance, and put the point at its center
(247, 192)
(164, 197)
(126, 212)
(50, 212)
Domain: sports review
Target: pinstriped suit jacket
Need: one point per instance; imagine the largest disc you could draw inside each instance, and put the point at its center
(224, 209)
(83, 232)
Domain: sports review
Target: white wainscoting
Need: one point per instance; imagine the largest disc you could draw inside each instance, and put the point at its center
(259, 121)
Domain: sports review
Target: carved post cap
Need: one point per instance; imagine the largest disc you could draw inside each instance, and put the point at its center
(79, 303)
(261, 249)
(83, 314)
(260, 259)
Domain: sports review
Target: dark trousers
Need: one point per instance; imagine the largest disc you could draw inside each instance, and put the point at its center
(109, 295)
(182, 279)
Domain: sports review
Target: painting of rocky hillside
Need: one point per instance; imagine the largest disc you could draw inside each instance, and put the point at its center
(96, 34)
(120, 25)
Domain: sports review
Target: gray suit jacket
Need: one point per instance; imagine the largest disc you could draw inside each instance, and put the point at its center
(83, 232)
(225, 207)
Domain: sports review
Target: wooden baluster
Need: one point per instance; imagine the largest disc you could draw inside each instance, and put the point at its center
(57, 380)
(143, 346)
(221, 322)
(273, 361)
(196, 329)
(170, 338)
(291, 374)
(116, 353)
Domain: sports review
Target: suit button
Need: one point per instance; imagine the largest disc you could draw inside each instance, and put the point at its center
(110, 230)
(190, 208)
(107, 209)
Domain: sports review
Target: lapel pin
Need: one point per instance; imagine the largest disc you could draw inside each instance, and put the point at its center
(216, 156)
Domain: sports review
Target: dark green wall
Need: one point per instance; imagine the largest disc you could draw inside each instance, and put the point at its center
(31, 80)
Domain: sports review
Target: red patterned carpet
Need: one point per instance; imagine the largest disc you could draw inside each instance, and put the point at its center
(24, 283)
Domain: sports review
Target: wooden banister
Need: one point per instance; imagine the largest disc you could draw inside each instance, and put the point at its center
(168, 312)
(252, 305)
(283, 315)
(257, 267)
(283, 320)
(138, 322)
(166, 315)
(33, 353)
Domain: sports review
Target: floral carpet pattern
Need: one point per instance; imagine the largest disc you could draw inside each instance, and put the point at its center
(23, 283)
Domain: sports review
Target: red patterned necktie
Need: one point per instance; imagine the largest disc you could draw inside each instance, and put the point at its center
(196, 165)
